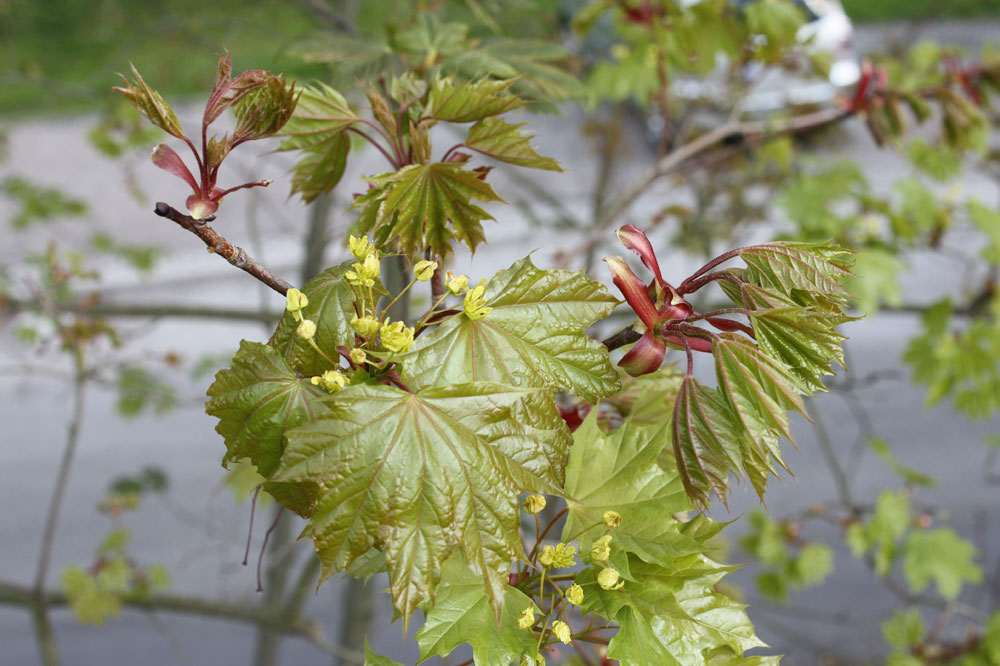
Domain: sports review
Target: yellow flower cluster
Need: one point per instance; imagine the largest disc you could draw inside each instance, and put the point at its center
(363, 273)
(601, 550)
(331, 381)
(396, 337)
(558, 557)
(424, 270)
(475, 303)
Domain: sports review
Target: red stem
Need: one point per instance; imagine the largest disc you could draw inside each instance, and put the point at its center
(686, 286)
(692, 285)
(375, 143)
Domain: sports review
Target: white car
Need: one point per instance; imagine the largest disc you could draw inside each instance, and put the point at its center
(827, 31)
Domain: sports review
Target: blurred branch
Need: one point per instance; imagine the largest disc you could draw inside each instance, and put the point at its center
(275, 618)
(43, 627)
(322, 13)
(155, 311)
(746, 134)
(216, 243)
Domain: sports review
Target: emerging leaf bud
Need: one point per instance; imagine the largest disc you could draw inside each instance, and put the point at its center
(358, 356)
(306, 329)
(612, 519)
(201, 209)
(424, 270)
(527, 617)
(396, 337)
(456, 285)
(610, 579)
(475, 304)
(365, 326)
(601, 549)
(534, 503)
(574, 594)
(295, 300)
(360, 247)
(331, 380)
(561, 631)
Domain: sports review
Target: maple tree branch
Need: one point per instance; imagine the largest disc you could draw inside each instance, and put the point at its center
(760, 131)
(217, 243)
(273, 617)
(626, 336)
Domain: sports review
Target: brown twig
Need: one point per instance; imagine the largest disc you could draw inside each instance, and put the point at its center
(216, 243)
(623, 337)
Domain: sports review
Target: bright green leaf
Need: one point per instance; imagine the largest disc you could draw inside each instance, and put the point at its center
(533, 337)
(427, 206)
(462, 614)
(467, 102)
(416, 475)
(504, 141)
(942, 557)
(257, 401)
(619, 472)
(372, 659)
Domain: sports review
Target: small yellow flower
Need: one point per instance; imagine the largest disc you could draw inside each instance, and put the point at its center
(601, 549)
(612, 519)
(363, 274)
(366, 326)
(561, 631)
(610, 579)
(456, 284)
(424, 270)
(475, 304)
(534, 503)
(306, 329)
(295, 300)
(396, 337)
(527, 617)
(331, 380)
(358, 356)
(361, 248)
(574, 594)
(559, 557)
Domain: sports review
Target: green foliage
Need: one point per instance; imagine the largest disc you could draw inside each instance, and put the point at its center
(496, 138)
(881, 535)
(318, 128)
(426, 205)
(942, 557)
(533, 337)
(375, 458)
(40, 204)
(140, 389)
(257, 401)
(462, 614)
(372, 659)
(770, 543)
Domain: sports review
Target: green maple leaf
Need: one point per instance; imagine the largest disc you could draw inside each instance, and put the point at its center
(811, 273)
(804, 340)
(426, 206)
(940, 556)
(331, 306)
(462, 614)
(319, 128)
(759, 388)
(257, 401)
(619, 472)
(709, 443)
(533, 337)
(417, 474)
(504, 141)
(672, 615)
(468, 102)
